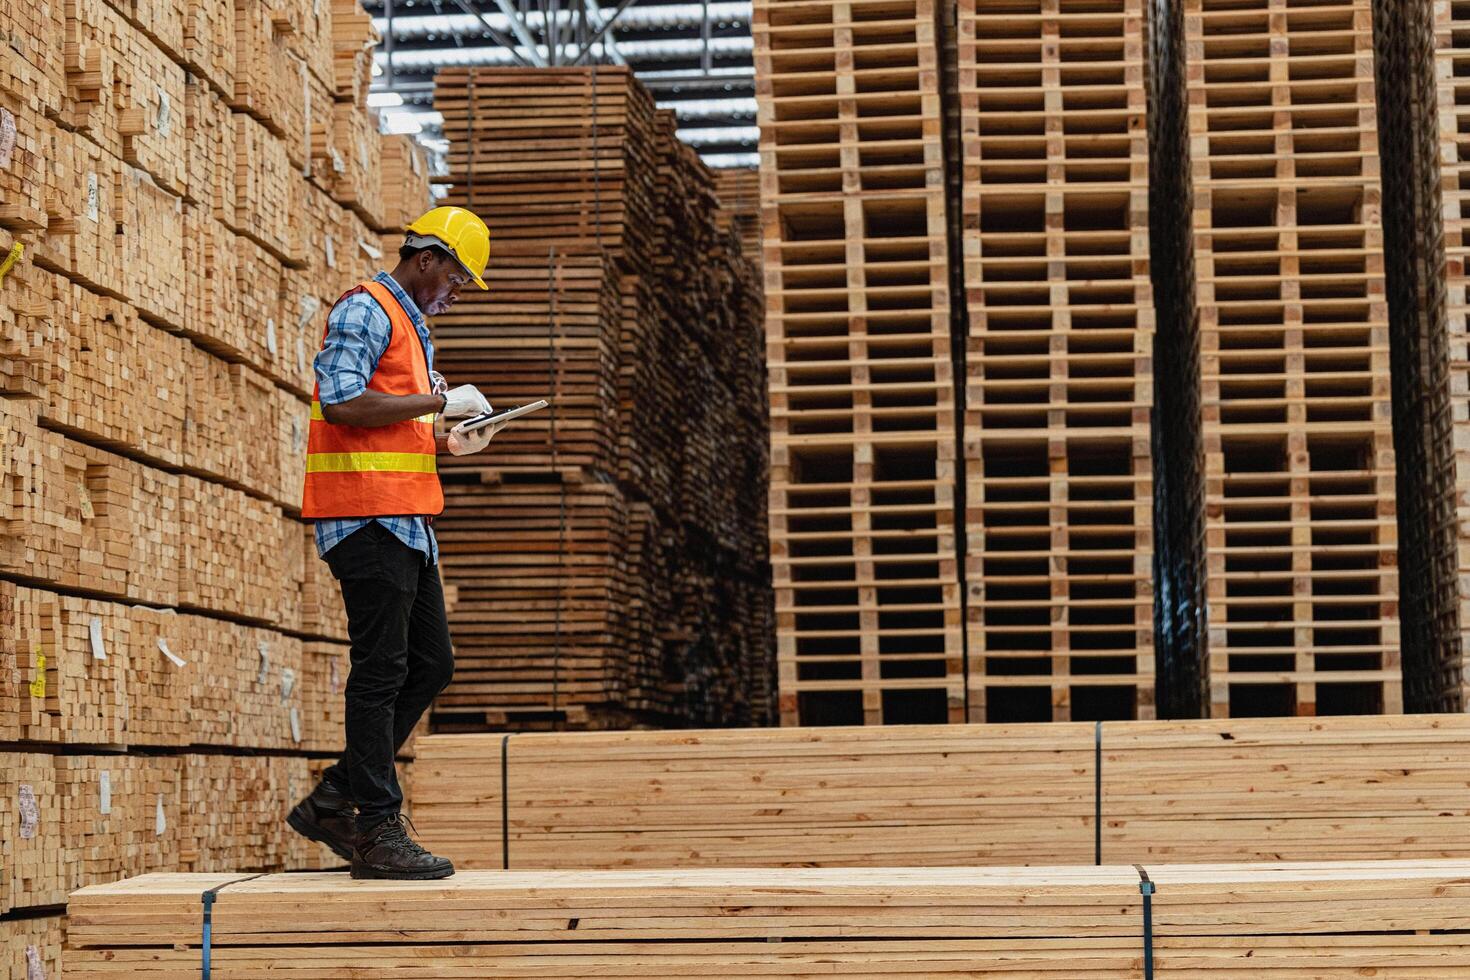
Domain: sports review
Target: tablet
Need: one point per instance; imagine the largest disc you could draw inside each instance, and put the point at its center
(495, 418)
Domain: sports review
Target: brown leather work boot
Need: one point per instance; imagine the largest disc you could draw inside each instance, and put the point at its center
(328, 817)
(387, 851)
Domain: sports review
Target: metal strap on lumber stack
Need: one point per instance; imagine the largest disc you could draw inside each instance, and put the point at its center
(1301, 539)
(1280, 920)
(1059, 377)
(863, 464)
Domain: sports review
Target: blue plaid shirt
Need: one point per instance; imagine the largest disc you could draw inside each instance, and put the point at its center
(358, 332)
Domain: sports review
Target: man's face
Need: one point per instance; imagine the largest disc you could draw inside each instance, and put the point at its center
(443, 279)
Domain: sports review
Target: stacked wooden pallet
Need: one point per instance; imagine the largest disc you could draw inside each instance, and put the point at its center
(1301, 540)
(858, 340)
(1395, 919)
(1058, 361)
(587, 545)
(173, 245)
(1232, 790)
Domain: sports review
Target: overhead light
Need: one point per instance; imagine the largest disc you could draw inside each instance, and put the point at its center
(381, 100)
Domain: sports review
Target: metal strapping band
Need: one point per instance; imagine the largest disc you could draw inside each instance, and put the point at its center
(505, 802)
(1097, 790)
(1146, 889)
(208, 899)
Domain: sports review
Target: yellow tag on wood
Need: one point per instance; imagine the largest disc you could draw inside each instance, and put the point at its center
(9, 262)
(38, 686)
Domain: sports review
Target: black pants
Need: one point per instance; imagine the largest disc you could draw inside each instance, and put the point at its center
(401, 659)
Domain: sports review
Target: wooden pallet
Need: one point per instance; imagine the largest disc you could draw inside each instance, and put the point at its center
(862, 398)
(1309, 920)
(1058, 361)
(1301, 538)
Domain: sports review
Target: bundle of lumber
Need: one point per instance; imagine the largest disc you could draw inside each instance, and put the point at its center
(863, 425)
(404, 168)
(1047, 793)
(608, 551)
(1397, 919)
(739, 189)
(169, 246)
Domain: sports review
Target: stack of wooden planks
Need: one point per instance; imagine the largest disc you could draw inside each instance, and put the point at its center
(1301, 539)
(608, 552)
(1390, 919)
(739, 189)
(1226, 790)
(175, 229)
(1058, 361)
(863, 427)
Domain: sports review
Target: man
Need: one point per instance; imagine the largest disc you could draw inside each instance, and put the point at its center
(372, 488)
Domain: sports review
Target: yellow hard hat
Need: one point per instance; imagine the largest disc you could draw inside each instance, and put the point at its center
(458, 230)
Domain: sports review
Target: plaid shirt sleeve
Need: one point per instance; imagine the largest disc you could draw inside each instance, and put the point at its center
(358, 332)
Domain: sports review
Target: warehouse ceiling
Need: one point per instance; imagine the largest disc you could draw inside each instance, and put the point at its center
(694, 57)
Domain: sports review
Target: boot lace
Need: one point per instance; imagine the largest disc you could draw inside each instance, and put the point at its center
(395, 835)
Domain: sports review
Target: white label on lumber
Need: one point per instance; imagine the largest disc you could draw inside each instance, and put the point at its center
(104, 786)
(35, 969)
(296, 439)
(337, 163)
(270, 335)
(413, 156)
(30, 814)
(295, 725)
(373, 253)
(94, 629)
(160, 819)
(264, 649)
(85, 496)
(163, 118)
(309, 307)
(300, 356)
(336, 677)
(331, 253)
(288, 683)
(362, 154)
(163, 649)
(7, 137)
(93, 205)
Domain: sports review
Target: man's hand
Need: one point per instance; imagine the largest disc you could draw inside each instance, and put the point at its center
(462, 441)
(465, 402)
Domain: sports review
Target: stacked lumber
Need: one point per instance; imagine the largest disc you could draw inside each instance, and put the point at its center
(404, 170)
(1059, 382)
(739, 189)
(1301, 533)
(863, 427)
(1399, 919)
(607, 553)
(32, 947)
(163, 218)
(1225, 790)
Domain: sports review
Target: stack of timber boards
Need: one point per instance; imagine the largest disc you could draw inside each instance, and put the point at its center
(609, 552)
(863, 422)
(172, 653)
(1393, 919)
(740, 206)
(1230, 790)
(1301, 534)
(1058, 362)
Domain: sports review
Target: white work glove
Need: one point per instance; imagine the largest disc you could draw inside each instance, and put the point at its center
(464, 441)
(465, 402)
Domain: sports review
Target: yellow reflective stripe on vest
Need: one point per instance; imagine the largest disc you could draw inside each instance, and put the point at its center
(370, 463)
(316, 415)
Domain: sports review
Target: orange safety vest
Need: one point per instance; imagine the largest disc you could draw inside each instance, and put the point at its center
(378, 471)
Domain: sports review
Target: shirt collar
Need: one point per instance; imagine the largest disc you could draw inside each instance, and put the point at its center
(404, 300)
